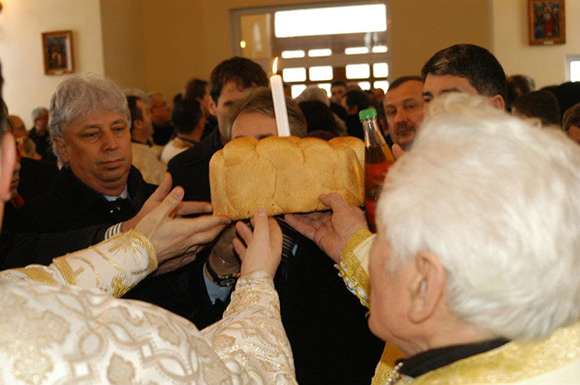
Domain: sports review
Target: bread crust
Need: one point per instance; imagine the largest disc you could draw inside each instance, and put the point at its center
(285, 175)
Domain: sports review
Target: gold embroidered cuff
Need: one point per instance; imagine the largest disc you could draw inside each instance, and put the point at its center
(143, 241)
(352, 270)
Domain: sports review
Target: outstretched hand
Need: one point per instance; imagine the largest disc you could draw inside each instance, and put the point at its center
(329, 231)
(264, 244)
(184, 208)
(177, 240)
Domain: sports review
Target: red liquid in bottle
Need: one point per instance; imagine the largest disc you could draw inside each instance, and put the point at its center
(376, 167)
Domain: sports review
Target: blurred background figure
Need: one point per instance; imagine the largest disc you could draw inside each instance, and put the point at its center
(189, 121)
(39, 134)
(161, 118)
(542, 105)
(198, 89)
(571, 123)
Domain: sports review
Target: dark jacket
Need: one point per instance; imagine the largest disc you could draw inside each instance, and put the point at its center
(190, 169)
(72, 205)
(43, 146)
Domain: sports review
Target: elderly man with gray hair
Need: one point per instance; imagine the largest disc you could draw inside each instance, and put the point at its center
(39, 134)
(474, 270)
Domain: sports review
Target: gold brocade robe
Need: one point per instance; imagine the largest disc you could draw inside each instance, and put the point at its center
(553, 360)
(56, 327)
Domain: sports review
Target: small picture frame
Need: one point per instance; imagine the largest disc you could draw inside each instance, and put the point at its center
(57, 48)
(547, 22)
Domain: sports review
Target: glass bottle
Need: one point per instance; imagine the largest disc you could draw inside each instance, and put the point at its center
(378, 159)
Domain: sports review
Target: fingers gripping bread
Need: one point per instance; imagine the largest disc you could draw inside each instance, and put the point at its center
(285, 175)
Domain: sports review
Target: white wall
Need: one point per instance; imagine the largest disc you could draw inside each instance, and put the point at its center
(546, 64)
(21, 24)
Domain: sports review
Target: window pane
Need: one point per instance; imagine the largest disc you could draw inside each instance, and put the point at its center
(356, 50)
(325, 87)
(292, 54)
(358, 71)
(380, 49)
(575, 71)
(320, 52)
(381, 84)
(331, 20)
(380, 70)
(365, 86)
(297, 90)
(320, 73)
(294, 74)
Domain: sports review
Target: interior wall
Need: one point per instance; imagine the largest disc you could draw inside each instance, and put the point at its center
(546, 64)
(21, 24)
(199, 37)
(123, 47)
(419, 28)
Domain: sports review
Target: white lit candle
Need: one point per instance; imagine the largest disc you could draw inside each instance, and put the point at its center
(279, 98)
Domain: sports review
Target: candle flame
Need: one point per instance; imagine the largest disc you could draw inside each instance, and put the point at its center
(275, 66)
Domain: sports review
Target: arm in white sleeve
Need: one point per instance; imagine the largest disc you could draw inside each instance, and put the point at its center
(114, 266)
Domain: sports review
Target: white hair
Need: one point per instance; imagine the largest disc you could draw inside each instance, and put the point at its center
(78, 96)
(497, 201)
(313, 94)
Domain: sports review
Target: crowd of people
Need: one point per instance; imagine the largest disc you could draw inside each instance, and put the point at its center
(471, 278)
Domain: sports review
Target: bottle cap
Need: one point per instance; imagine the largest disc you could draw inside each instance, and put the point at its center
(367, 114)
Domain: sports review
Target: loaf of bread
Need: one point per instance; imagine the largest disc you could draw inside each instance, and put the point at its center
(285, 175)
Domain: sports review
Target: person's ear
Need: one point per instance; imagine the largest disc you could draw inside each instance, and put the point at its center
(8, 148)
(427, 287)
(212, 107)
(498, 102)
(138, 124)
(62, 149)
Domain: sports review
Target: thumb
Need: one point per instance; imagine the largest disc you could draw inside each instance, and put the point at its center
(261, 227)
(163, 189)
(335, 201)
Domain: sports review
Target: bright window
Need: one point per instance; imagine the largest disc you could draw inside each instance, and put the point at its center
(358, 71)
(365, 86)
(356, 50)
(380, 70)
(292, 54)
(294, 74)
(320, 52)
(575, 71)
(320, 73)
(380, 49)
(297, 90)
(331, 21)
(381, 84)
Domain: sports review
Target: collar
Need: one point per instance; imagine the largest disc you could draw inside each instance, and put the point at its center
(71, 189)
(124, 195)
(187, 139)
(436, 358)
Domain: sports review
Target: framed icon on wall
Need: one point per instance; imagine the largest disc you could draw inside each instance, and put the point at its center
(57, 49)
(547, 22)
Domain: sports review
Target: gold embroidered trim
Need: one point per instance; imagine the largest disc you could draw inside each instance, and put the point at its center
(512, 362)
(351, 268)
(38, 275)
(119, 288)
(141, 239)
(385, 366)
(65, 270)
